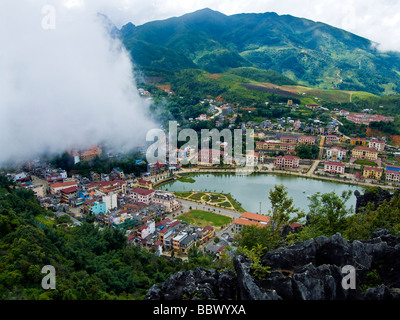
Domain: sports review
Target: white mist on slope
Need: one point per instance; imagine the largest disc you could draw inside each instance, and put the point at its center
(65, 87)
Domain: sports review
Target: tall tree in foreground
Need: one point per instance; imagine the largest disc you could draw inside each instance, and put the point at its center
(283, 212)
(327, 216)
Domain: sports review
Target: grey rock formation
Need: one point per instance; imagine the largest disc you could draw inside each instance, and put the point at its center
(310, 270)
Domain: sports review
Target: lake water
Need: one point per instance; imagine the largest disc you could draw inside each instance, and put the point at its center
(252, 190)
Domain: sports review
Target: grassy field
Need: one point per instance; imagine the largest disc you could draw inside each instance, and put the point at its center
(204, 218)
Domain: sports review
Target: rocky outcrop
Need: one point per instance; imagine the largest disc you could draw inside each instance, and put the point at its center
(198, 284)
(310, 270)
(374, 196)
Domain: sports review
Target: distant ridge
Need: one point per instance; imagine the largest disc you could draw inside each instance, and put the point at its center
(310, 53)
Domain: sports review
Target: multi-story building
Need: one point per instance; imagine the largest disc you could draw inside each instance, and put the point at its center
(124, 222)
(142, 195)
(364, 153)
(68, 193)
(187, 243)
(252, 159)
(287, 147)
(156, 168)
(55, 188)
(105, 187)
(144, 184)
(392, 174)
(146, 230)
(358, 141)
(336, 153)
(176, 241)
(372, 173)
(206, 234)
(166, 199)
(285, 139)
(91, 154)
(97, 207)
(334, 167)
(377, 144)
(110, 200)
(331, 139)
(289, 162)
(260, 145)
(307, 140)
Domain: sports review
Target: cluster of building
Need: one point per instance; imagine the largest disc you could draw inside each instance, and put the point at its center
(370, 150)
(365, 118)
(121, 202)
(170, 235)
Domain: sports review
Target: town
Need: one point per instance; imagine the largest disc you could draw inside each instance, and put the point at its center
(150, 217)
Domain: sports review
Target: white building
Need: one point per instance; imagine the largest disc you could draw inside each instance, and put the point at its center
(147, 229)
(110, 201)
(336, 153)
(377, 145)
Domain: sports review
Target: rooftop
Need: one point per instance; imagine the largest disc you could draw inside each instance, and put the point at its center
(255, 216)
(143, 192)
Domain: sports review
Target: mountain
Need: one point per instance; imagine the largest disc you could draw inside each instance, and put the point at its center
(310, 53)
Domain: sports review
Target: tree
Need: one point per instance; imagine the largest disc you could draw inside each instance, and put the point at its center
(251, 236)
(283, 210)
(327, 213)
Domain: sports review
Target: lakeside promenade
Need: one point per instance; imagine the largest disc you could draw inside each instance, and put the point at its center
(350, 179)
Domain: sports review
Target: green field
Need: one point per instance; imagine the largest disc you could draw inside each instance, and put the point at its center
(204, 218)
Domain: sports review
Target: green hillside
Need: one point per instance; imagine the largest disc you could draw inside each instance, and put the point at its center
(253, 86)
(309, 53)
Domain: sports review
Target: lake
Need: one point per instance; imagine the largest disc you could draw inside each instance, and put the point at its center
(252, 191)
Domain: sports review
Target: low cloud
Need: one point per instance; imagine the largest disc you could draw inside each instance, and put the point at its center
(64, 82)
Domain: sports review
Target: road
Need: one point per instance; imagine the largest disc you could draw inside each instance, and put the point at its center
(217, 114)
(186, 204)
(314, 166)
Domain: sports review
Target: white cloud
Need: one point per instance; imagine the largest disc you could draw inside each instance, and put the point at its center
(64, 87)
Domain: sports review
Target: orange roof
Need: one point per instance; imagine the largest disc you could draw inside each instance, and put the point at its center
(245, 222)
(255, 216)
(63, 184)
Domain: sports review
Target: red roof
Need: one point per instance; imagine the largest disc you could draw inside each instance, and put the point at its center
(144, 181)
(158, 164)
(295, 225)
(334, 163)
(373, 169)
(289, 157)
(143, 192)
(392, 172)
(69, 190)
(221, 249)
(173, 224)
(63, 184)
(255, 216)
(246, 222)
(365, 149)
(162, 222)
